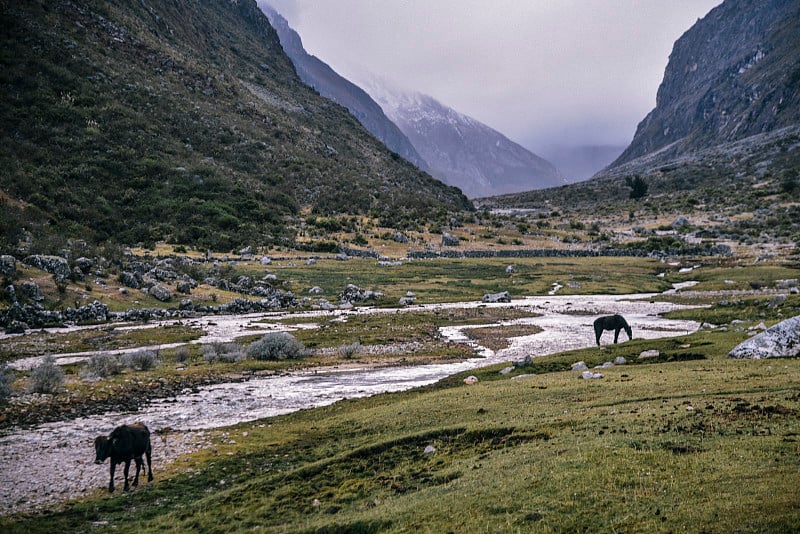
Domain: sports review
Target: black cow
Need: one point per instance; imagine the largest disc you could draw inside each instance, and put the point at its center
(611, 322)
(125, 443)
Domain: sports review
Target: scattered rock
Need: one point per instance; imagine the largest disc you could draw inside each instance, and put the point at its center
(55, 265)
(503, 296)
(506, 370)
(620, 360)
(8, 266)
(160, 292)
(510, 269)
(589, 375)
(430, 449)
(449, 240)
(653, 353)
(579, 366)
(352, 293)
(471, 379)
(779, 341)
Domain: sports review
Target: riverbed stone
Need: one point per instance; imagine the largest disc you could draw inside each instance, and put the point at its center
(503, 296)
(779, 341)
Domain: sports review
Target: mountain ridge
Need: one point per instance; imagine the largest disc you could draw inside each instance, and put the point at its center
(461, 150)
(319, 75)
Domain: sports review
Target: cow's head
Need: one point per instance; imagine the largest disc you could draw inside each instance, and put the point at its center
(102, 449)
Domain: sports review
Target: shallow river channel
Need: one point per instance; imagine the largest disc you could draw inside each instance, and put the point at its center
(53, 462)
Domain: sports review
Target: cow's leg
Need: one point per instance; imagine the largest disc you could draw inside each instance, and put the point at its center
(138, 461)
(147, 453)
(127, 470)
(111, 483)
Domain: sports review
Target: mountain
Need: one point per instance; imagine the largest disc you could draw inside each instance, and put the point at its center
(181, 120)
(733, 76)
(725, 132)
(330, 84)
(460, 150)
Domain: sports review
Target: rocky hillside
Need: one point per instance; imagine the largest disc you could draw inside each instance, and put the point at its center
(460, 150)
(726, 128)
(178, 120)
(735, 74)
(330, 84)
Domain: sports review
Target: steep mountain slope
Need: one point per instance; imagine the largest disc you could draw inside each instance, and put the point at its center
(733, 75)
(330, 84)
(180, 120)
(726, 127)
(461, 150)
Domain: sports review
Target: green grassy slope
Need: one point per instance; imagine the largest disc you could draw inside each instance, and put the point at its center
(178, 120)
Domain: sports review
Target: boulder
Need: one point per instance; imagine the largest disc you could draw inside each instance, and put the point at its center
(680, 221)
(503, 296)
(32, 291)
(449, 240)
(55, 265)
(130, 279)
(160, 292)
(779, 341)
(353, 293)
(400, 237)
(265, 260)
(8, 266)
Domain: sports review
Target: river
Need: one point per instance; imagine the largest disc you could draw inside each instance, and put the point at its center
(53, 462)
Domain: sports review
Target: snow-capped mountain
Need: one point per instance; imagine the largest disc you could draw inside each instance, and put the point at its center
(460, 150)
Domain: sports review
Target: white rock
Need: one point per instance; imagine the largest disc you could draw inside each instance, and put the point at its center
(781, 340)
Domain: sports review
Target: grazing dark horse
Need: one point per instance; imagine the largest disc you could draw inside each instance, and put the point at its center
(125, 443)
(614, 322)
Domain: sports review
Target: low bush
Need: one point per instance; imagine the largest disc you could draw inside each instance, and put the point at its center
(276, 346)
(47, 377)
(6, 379)
(182, 355)
(141, 360)
(350, 350)
(103, 365)
(223, 352)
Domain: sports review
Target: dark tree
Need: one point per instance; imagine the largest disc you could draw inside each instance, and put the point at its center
(638, 186)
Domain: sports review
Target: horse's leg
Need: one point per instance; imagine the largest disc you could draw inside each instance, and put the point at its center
(111, 483)
(127, 470)
(616, 334)
(598, 331)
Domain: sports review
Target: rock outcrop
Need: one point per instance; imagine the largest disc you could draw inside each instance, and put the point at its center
(779, 341)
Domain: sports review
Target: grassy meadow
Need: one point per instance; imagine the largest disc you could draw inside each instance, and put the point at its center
(687, 441)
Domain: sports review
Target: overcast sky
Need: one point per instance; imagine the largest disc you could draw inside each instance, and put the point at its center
(542, 72)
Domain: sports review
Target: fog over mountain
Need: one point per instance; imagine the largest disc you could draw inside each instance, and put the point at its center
(460, 150)
(453, 147)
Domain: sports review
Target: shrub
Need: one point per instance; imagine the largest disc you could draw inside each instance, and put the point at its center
(103, 365)
(47, 377)
(276, 346)
(223, 352)
(182, 355)
(6, 378)
(141, 360)
(348, 351)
